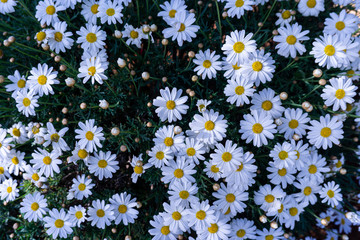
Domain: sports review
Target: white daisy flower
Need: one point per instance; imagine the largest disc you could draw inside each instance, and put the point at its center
(18, 133)
(238, 7)
(92, 69)
(257, 127)
(267, 102)
(89, 136)
(219, 229)
(281, 175)
(314, 168)
(170, 105)
(283, 155)
(165, 136)
(193, 150)
(290, 40)
(139, 167)
(330, 194)
(41, 79)
(337, 164)
(47, 11)
(42, 36)
(302, 153)
(103, 164)
(34, 176)
(79, 154)
(110, 12)
(160, 230)
(265, 234)
(123, 207)
(55, 138)
(36, 131)
(339, 93)
(341, 24)
(9, 190)
(33, 207)
(100, 214)
(308, 189)
(90, 10)
(182, 193)
(202, 105)
(285, 17)
(58, 223)
(82, 187)
(26, 103)
(4, 173)
(268, 198)
(294, 122)
(46, 162)
(175, 217)
(179, 171)
(19, 84)
(200, 215)
(7, 6)
(5, 142)
(230, 198)
(242, 229)
(325, 132)
(170, 9)
(345, 225)
(238, 47)
(239, 90)
(207, 64)
(294, 209)
(160, 155)
(227, 157)
(91, 37)
(134, 35)
(16, 162)
(311, 7)
(59, 39)
(212, 171)
(77, 215)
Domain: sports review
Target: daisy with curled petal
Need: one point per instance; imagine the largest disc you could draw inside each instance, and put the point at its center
(308, 189)
(165, 136)
(123, 207)
(9, 190)
(47, 11)
(294, 122)
(79, 154)
(77, 215)
(59, 40)
(341, 24)
(232, 71)
(238, 47)
(257, 127)
(280, 175)
(175, 217)
(285, 17)
(90, 10)
(238, 7)
(182, 193)
(55, 138)
(170, 105)
(269, 198)
(19, 84)
(212, 171)
(180, 170)
(182, 28)
(200, 215)
(267, 102)
(338, 163)
(160, 230)
(100, 214)
(339, 93)
(239, 90)
(193, 150)
(89, 135)
(91, 37)
(92, 69)
(219, 229)
(18, 132)
(202, 105)
(227, 157)
(314, 168)
(139, 167)
(283, 155)
(160, 156)
(325, 132)
(33, 207)
(103, 164)
(110, 12)
(171, 9)
(230, 198)
(289, 39)
(16, 162)
(26, 102)
(328, 51)
(207, 64)
(41, 79)
(134, 35)
(46, 162)
(259, 67)
(7, 6)
(242, 229)
(81, 187)
(311, 7)
(58, 223)
(330, 194)
(4, 143)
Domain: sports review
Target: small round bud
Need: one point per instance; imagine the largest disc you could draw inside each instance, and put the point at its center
(260, 24)
(153, 28)
(355, 139)
(51, 120)
(344, 237)
(132, 73)
(45, 47)
(188, 91)
(62, 68)
(123, 148)
(11, 39)
(12, 235)
(139, 204)
(305, 105)
(115, 131)
(274, 225)
(137, 139)
(70, 82)
(200, 2)
(263, 219)
(224, 14)
(52, 54)
(216, 187)
(164, 79)
(177, 130)
(149, 104)
(2, 79)
(324, 222)
(342, 171)
(57, 58)
(146, 29)
(275, 32)
(292, 12)
(6, 43)
(64, 121)
(191, 54)
(165, 42)
(65, 110)
(322, 82)
(309, 109)
(139, 163)
(103, 104)
(200, 45)
(113, 230)
(210, 5)
(76, 238)
(83, 105)
(191, 93)
(145, 76)
(12, 60)
(128, 237)
(121, 62)
(194, 78)
(296, 137)
(118, 34)
(286, 235)
(16, 226)
(278, 122)
(317, 73)
(149, 124)
(283, 95)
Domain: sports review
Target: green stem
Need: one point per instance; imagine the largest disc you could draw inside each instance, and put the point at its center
(267, 15)
(219, 20)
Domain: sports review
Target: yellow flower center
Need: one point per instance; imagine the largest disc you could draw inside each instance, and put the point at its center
(239, 3)
(241, 166)
(79, 214)
(312, 169)
(26, 102)
(184, 194)
(293, 124)
(240, 233)
(239, 90)
(257, 66)
(42, 79)
(170, 104)
(350, 73)
(110, 12)
(238, 47)
(81, 187)
(160, 155)
(330, 193)
(201, 215)
(340, 25)
(59, 223)
(89, 135)
(15, 160)
(47, 160)
(282, 172)
(21, 83)
(281, 208)
(100, 213)
(267, 105)
(269, 198)
(307, 191)
(168, 141)
(92, 70)
(190, 152)
(348, 107)
(257, 128)
(286, 14)
(214, 169)
(9, 189)
(40, 36)
(34, 206)
(178, 173)
(213, 228)
(102, 163)
(58, 36)
(35, 130)
(235, 67)
(134, 34)
(283, 155)
(94, 8)
(55, 137)
(122, 208)
(325, 132)
(338, 164)
(50, 10)
(340, 94)
(226, 156)
(209, 125)
(206, 64)
(293, 211)
(230, 198)
(16, 132)
(82, 153)
(311, 3)
(329, 50)
(172, 13)
(165, 230)
(91, 37)
(269, 237)
(291, 39)
(35, 177)
(2, 170)
(138, 169)
(182, 28)
(176, 216)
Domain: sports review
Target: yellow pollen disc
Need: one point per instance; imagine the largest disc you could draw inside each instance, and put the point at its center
(239, 90)
(50, 10)
(201, 215)
(348, 107)
(172, 13)
(160, 155)
(54, 137)
(16, 132)
(325, 132)
(240, 233)
(238, 47)
(269, 198)
(328, 219)
(257, 128)
(110, 12)
(283, 155)
(81, 187)
(91, 37)
(209, 125)
(47, 160)
(92, 70)
(165, 230)
(40, 36)
(340, 94)
(293, 211)
(34, 206)
(21, 83)
(307, 191)
(9, 189)
(311, 3)
(176, 216)
(58, 36)
(178, 173)
(59, 223)
(206, 64)
(190, 152)
(330, 193)
(182, 28)
(291, 39)
(122, 208)
(3, 1)
(230, 198)
(240, 167)
(239, 3)
(134, 34)
(100, 213)
(235, 67)
(269, 237)
(340, 25)
(102, 163)
(2, 170)
(42, 79)
(201, 106)
(170, 105)
(342, 221)
(226, 156)
(267, 105)
(338, 164)
(26, 102)
(15, 160)
(89, 135)
(82, 153)
(78, 214)
(184, 194)
(350, 73)
(213, 228)
(281, 208)
(168, 141)
(312, 169)
(329, 50)
(214, 169)
(282, 172)
(138, 169)
(35, 130)
(257, 66)
(94, 8)
(293, 124)
(286, 14)
(35, 177)
(227, 211)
